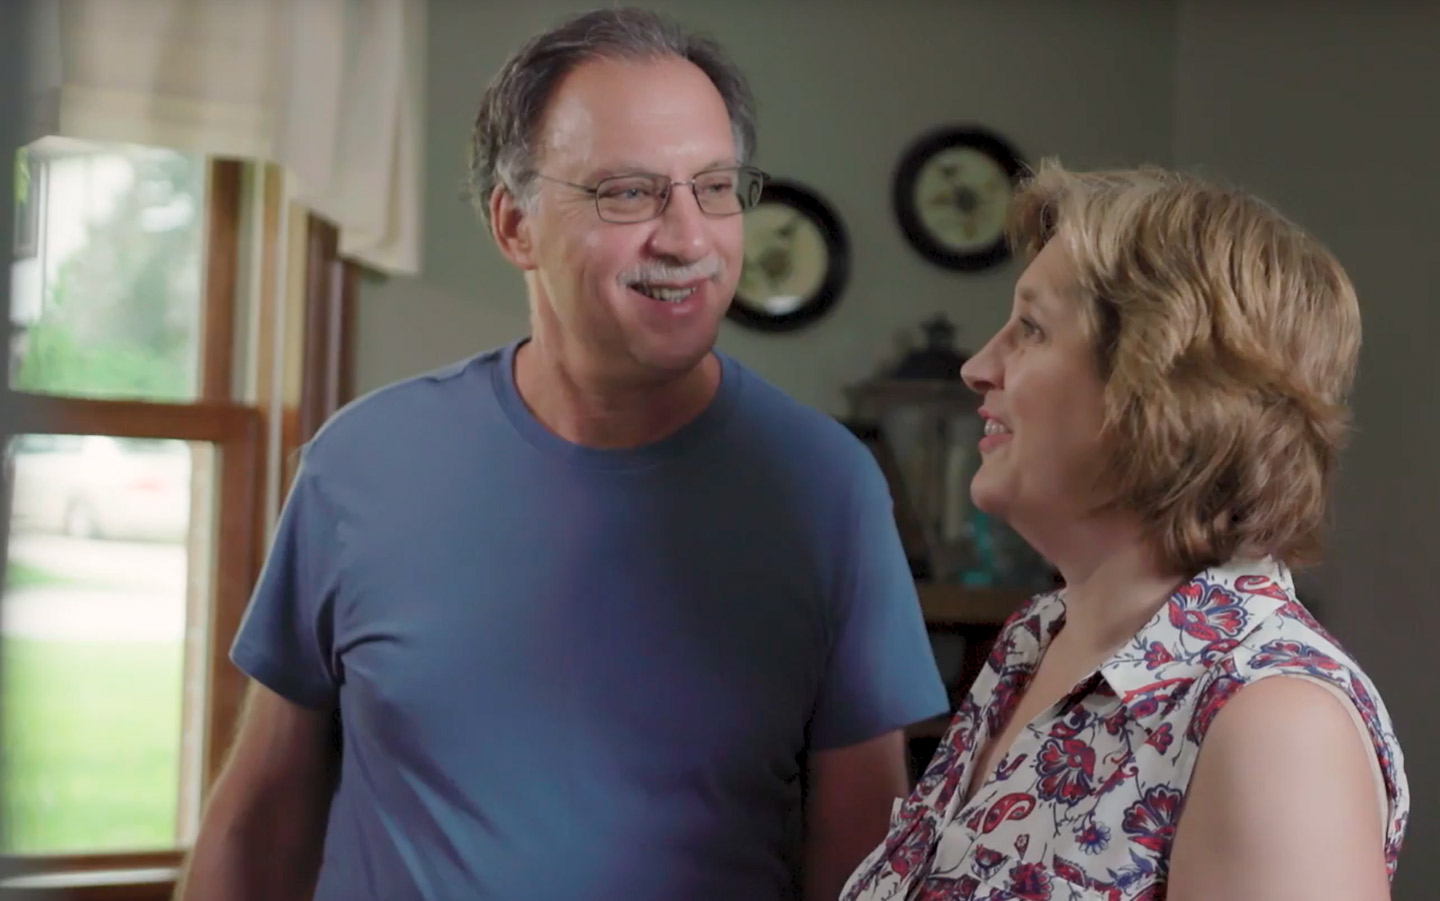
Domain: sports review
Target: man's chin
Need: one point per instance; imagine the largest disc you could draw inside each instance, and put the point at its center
(669, 363)
(679, 350)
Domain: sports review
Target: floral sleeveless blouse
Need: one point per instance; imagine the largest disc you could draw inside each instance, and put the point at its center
(1085, 803)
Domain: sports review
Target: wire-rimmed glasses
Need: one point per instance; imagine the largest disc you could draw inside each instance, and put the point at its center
(641, 196)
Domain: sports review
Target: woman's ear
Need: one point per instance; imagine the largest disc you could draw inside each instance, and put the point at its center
(510, 227)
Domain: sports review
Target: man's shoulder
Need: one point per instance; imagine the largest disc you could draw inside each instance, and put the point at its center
(410, 406)
(768, 412)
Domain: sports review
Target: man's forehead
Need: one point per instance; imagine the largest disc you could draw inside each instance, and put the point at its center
(641, 116)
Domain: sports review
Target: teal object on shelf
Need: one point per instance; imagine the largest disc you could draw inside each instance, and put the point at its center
(1000, 558)
(984, 571)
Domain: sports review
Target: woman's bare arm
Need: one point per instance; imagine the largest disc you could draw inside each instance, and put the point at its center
(1282, 804)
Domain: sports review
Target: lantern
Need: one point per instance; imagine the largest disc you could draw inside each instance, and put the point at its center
(929, 422)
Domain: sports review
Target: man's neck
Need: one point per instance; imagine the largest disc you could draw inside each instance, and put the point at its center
(595, 410)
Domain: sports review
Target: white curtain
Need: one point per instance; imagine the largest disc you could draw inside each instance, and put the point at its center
(332, 90)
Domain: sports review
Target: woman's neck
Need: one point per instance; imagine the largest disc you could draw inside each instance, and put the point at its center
(1115, 582)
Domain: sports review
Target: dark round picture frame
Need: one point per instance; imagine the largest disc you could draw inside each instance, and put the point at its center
(812, 209)
(908, 171)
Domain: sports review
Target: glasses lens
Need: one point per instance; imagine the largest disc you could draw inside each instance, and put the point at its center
(719, 192)
(629, 198)
(726, 192)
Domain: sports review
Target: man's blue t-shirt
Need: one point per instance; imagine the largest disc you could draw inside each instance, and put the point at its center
(565, 672)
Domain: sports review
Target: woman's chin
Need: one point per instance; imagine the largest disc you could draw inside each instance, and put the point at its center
(991, 503)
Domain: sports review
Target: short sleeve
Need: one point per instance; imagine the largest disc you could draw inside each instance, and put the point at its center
(881, 673)
(286, 637)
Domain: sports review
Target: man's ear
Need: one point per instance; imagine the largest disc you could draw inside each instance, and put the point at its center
(510, 227)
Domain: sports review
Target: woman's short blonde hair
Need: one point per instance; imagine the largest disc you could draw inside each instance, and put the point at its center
(1227, 338)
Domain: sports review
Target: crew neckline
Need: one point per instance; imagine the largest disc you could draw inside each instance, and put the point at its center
(706, 423)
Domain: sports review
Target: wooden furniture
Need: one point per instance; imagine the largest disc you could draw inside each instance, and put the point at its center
(975, 615)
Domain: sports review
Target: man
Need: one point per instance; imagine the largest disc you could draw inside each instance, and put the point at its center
(589, 608)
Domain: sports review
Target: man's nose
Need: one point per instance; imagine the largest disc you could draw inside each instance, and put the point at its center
(680, 231)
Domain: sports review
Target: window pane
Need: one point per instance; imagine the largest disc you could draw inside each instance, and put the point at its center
(99, 582)
(107, 285)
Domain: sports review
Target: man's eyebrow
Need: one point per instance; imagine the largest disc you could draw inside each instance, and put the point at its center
(620, 169)
(624, 168)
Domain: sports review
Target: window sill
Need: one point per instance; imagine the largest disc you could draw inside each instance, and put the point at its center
(136, 883)
(151, 884)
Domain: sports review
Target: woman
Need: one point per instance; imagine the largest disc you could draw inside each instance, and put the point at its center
(1163, 412)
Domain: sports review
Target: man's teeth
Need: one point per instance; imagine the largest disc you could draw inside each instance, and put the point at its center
(993, 427)
(669, 295)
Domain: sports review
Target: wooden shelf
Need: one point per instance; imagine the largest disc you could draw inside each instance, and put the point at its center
(948, 604)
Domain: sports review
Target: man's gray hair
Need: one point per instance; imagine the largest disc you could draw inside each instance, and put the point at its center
(502, 143)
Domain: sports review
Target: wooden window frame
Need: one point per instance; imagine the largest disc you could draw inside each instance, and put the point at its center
(327, 373)
(237, 432)
(234, 431)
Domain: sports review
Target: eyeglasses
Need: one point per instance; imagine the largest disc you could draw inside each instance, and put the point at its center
(643, 196)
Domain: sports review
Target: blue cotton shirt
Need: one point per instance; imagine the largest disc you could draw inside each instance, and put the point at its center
(565, 672)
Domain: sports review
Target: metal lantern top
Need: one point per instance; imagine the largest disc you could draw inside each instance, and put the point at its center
(928, 377)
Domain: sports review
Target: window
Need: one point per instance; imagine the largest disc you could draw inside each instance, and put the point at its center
(110, 303)
(178, 328)
(132, 459)
(94, 632)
